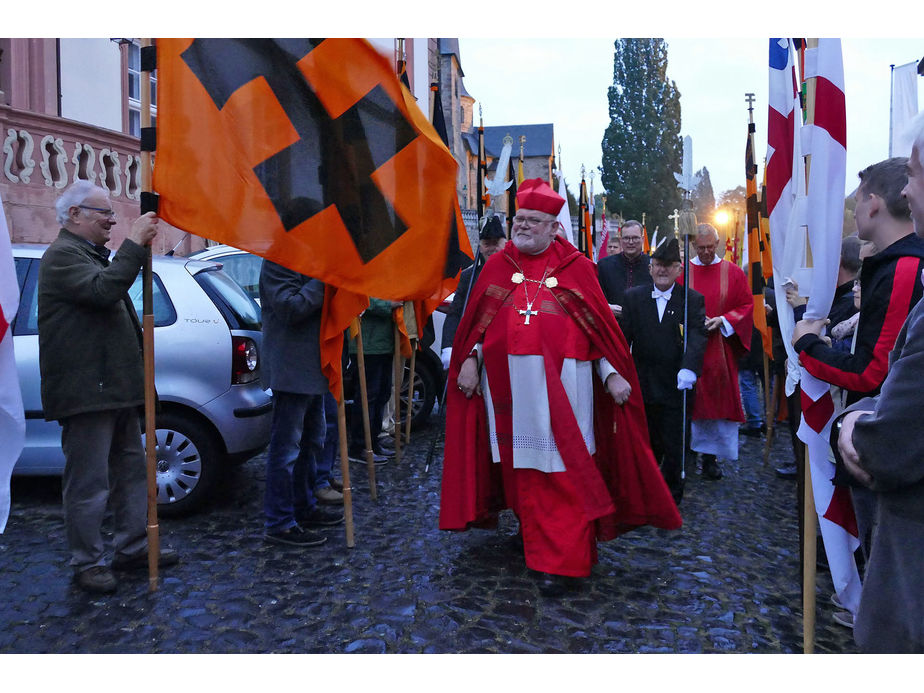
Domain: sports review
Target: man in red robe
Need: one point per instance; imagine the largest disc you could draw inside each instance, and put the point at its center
(729, 323)
(545, 414)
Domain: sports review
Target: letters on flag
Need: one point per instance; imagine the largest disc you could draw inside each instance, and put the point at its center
(310, 153)
(12, 419)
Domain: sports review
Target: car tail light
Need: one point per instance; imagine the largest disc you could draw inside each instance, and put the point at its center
(245, 361)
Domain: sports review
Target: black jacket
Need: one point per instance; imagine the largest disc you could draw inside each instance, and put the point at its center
(890, 284)
(657, 347)
(89, 334)
(454, 314)
(617, 275)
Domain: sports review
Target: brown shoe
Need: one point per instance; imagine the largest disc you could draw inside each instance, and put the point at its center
(98, 579)
(139, 561)
(328, 496)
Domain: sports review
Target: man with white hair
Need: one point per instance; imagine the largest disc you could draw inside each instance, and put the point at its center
(878, 443)
(729, 322)
(545, 414)
(93, 382)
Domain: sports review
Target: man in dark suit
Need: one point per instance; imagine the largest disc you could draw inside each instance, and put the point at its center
(491, 239)
(652, 321)
(619, 273)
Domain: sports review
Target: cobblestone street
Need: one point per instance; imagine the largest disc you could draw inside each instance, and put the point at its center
(728, 581)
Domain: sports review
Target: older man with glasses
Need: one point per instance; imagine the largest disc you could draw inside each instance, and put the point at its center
(93, 382)
(541, 381)
(620, 272)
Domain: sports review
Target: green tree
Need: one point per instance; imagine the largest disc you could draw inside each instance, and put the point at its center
(642, 148)
(703, 199)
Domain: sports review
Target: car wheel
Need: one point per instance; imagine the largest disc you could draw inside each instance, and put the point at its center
(425, 394)
(187, 463)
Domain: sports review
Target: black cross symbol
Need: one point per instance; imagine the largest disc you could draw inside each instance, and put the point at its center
(334, 159)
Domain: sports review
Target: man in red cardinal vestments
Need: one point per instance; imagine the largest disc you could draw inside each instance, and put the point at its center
(545, 414)
(729, 324)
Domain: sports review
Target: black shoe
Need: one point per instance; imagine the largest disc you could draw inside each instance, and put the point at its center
(551, 585)
(357, 455)
(295, 536)
(711, 469)
(753, 432)
(787, 471)
(139, 561)
(321, 517)
(336, 484)
(98, 579)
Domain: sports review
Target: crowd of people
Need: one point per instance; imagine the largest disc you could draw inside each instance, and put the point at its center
(576, 394)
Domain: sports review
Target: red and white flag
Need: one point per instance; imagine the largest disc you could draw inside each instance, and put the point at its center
(12, 420)
(785, 194)
(605, 236)
(825, 140)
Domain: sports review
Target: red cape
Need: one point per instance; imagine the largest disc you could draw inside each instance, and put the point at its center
(623, 484)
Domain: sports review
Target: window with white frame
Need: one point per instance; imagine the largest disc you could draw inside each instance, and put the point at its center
(134, 91)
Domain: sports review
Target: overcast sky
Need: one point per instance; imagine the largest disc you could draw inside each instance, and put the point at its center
(564, 81)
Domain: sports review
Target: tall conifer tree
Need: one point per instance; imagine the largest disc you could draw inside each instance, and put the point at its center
(641, 146)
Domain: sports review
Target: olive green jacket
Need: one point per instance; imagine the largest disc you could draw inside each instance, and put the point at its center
(89, 334)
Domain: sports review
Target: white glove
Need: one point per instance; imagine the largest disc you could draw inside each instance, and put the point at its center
(445, 356)
(686, 379)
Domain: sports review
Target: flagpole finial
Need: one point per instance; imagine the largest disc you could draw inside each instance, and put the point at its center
(583, 170)
(749, 97)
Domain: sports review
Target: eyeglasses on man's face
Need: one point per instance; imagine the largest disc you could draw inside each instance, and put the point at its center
(102, 210)
(528, 222)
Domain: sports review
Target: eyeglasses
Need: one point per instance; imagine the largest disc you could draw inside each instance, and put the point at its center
(529, 222)
(631, 239)
(105, 212)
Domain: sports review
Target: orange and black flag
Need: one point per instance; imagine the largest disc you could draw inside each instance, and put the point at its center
(646, 244)
(766, 257)
(755, 244)
(310, 153)
(483, 198)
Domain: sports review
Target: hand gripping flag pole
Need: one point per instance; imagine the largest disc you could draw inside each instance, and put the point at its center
(149, 204)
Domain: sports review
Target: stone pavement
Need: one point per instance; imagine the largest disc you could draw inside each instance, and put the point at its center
(728, 581)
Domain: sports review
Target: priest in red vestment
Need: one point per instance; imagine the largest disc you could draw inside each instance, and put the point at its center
(729, 323)
(545, 414)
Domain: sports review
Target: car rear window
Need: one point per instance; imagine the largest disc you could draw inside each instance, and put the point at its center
(164, 312)
(238, 308)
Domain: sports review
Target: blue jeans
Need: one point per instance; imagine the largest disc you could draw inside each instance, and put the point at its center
(750, 397)
(296, 439)
(328, 455)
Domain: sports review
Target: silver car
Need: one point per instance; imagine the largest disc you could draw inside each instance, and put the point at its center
(206, 357)
(428, 369)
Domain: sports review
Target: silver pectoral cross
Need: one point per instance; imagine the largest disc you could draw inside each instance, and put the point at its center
(528, 313)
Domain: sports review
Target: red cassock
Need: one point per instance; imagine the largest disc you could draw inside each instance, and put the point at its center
(598, 496)
(725, 288)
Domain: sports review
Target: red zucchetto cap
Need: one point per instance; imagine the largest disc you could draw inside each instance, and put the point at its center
(535, 193)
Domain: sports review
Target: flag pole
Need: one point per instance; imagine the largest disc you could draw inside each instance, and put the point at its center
(345, 470)
(153, 529)
(356, 327)
(398, 377)
(809, 524)
(410, 385)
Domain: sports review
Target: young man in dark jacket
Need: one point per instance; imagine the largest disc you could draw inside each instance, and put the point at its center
(93, 382)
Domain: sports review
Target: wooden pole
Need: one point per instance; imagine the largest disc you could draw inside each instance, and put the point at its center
(410, 394)
(150, 431)
(345, 470)
(398, 377)
(771, 415)
(809, 555)
(364, 401)
(809, 525)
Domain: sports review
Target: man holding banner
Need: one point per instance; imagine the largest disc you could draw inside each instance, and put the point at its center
(93, 382)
